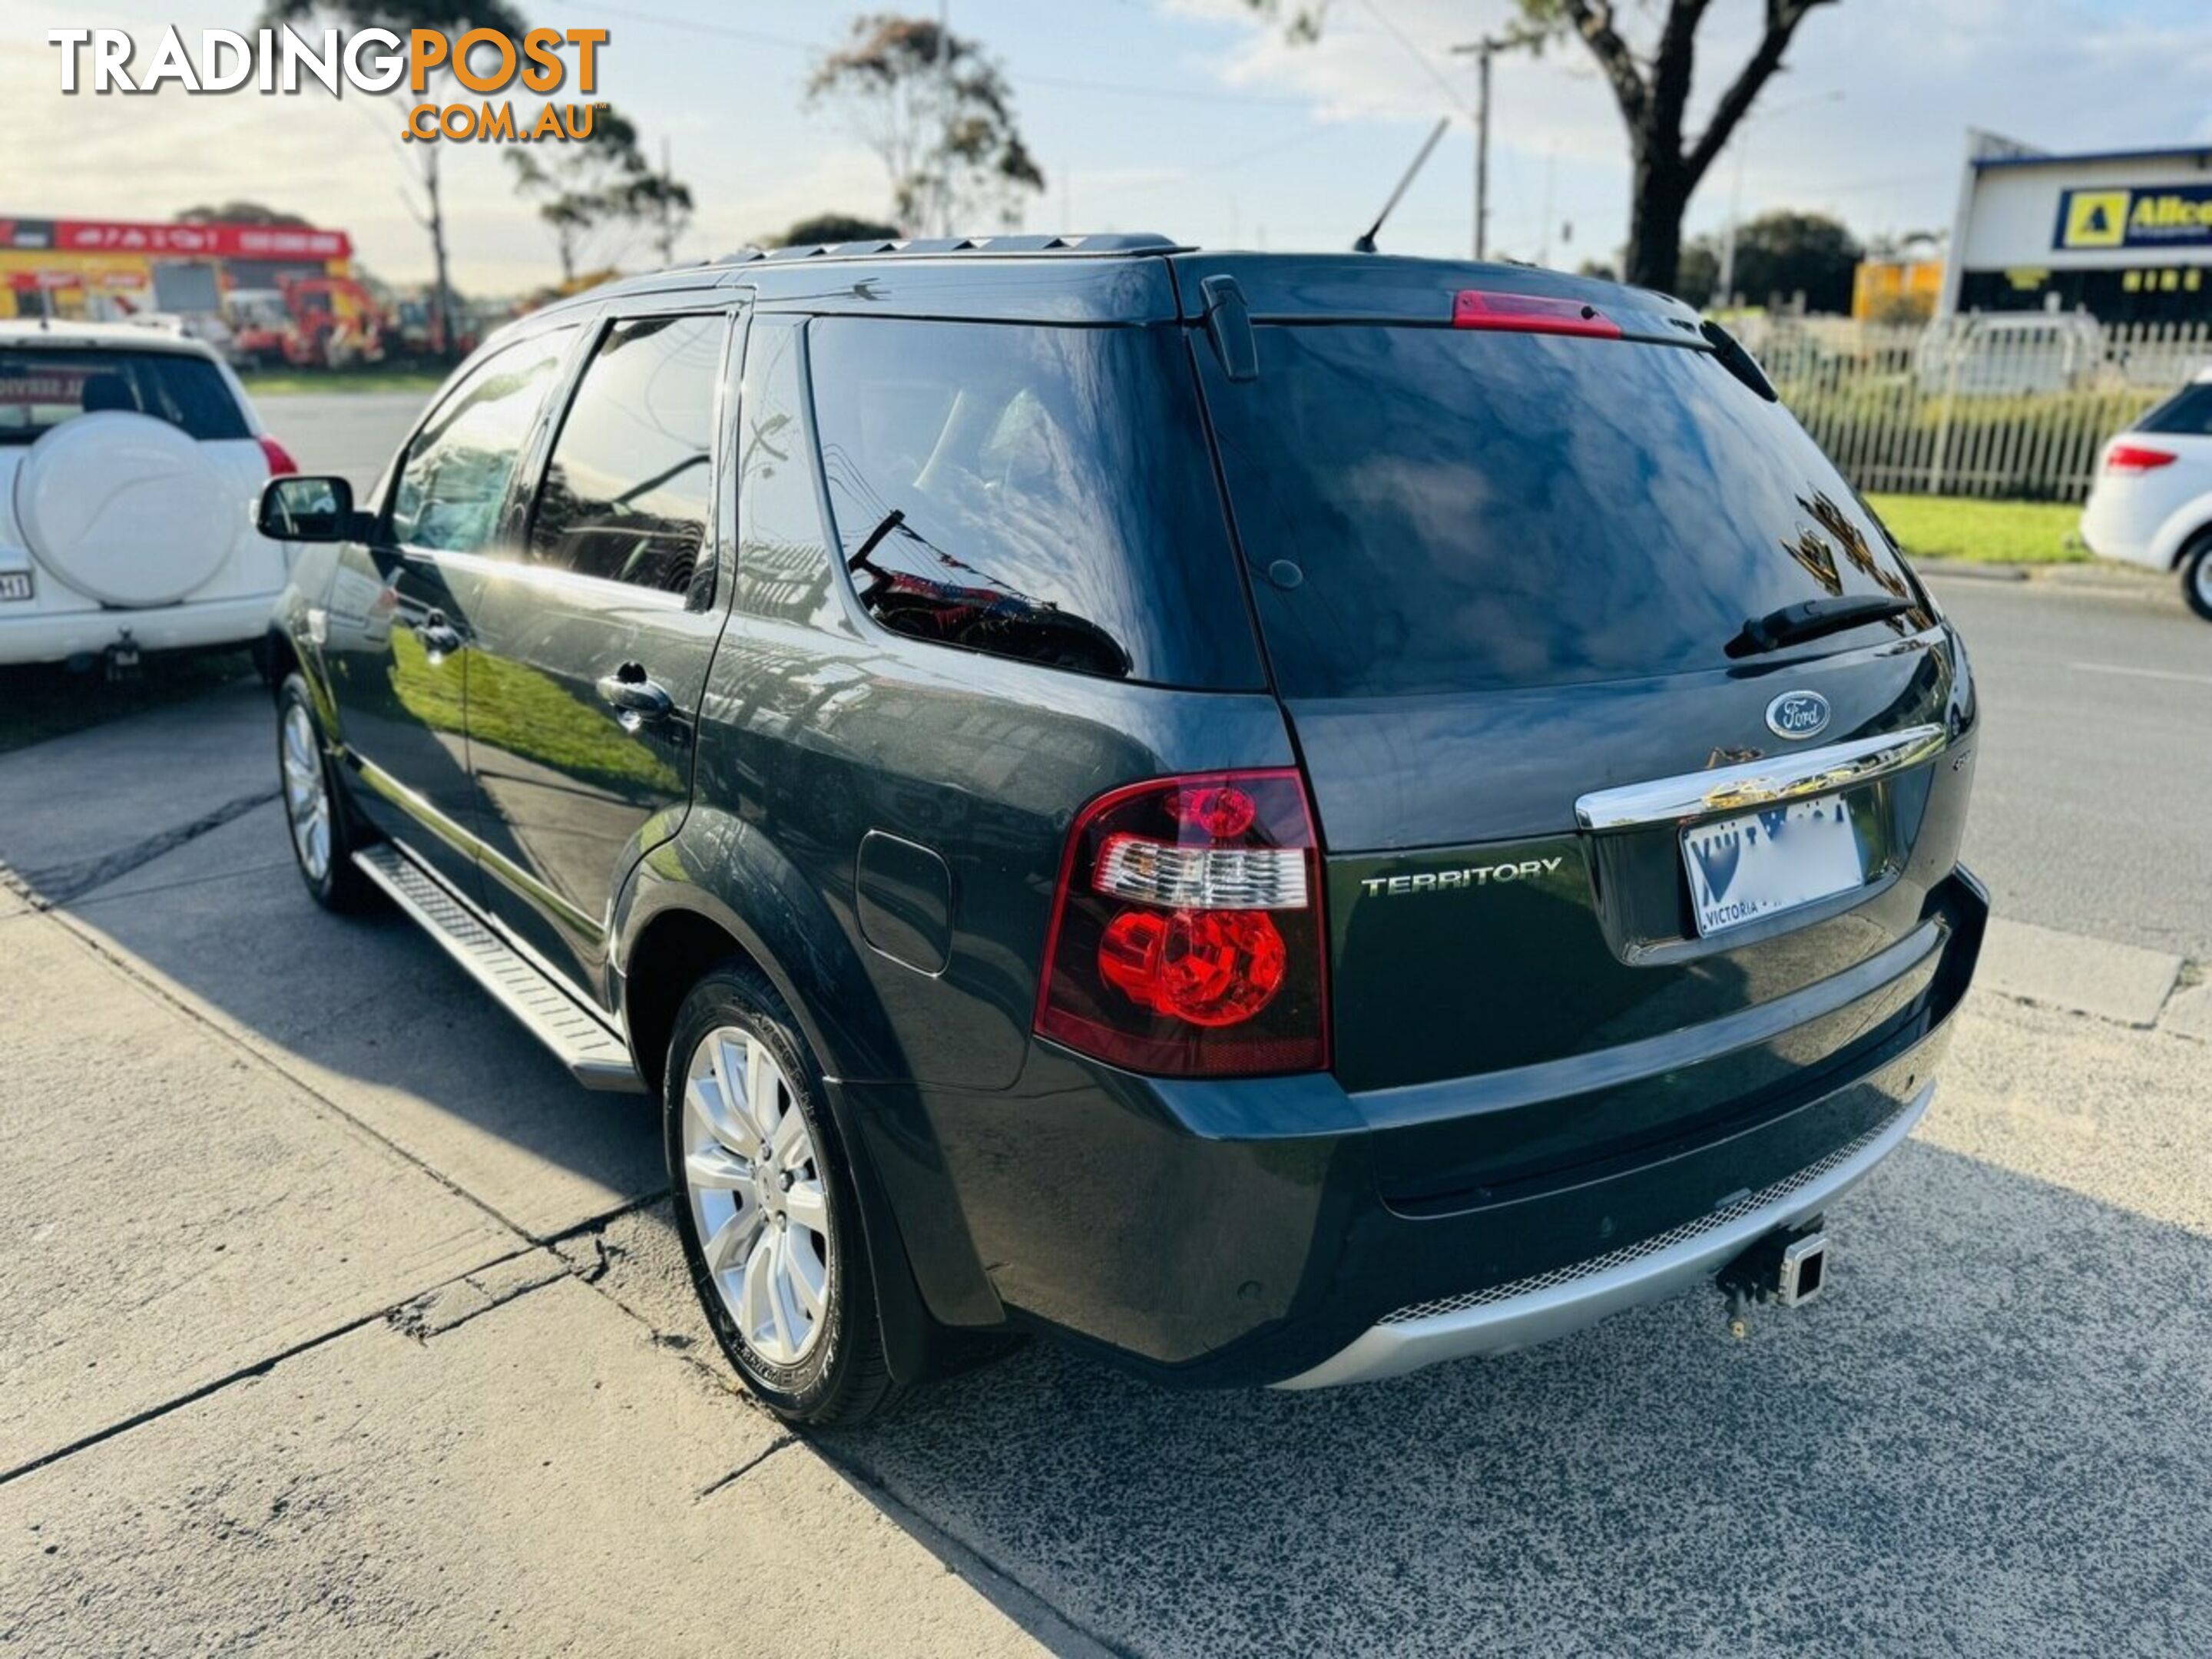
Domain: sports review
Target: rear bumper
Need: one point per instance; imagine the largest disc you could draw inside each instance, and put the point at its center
(1527, 1311)
(51, 636)
(1270, 1232)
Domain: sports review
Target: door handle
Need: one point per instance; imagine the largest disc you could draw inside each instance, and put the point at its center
(441, 638)
(634, 697)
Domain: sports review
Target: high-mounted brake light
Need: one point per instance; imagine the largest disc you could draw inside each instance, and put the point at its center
(1187, 936)
(1530, 313)
(280, 459)
(2133, 458)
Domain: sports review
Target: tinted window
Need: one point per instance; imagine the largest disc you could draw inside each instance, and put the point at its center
(783, 557)
(456, 473)
(1038, 493)
(2187, 414)
(630, 487)
(1478, 510)
(40, 389)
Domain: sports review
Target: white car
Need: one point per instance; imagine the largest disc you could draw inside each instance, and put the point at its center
(130, 461)
(2152, 502)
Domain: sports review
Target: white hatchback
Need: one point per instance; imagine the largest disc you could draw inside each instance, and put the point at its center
(2152, 502)
(129, 460)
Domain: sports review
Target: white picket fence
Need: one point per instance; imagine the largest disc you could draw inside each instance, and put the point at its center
(2011, 406)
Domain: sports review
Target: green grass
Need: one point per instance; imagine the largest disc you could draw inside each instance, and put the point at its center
(1988, 532)
(42, 701)
(519, 709)
(285, 383)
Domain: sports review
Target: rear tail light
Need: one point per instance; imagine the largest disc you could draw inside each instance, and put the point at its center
(280, 459)
(1530, 313)
(1187, 936)
(2133, 458)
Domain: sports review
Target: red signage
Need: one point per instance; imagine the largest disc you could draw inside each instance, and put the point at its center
(178, 242)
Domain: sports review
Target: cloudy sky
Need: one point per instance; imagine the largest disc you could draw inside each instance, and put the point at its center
(1182, 116)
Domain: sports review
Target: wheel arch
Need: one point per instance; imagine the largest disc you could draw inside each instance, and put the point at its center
(721, 884)
(2184, 529)
(720, 890)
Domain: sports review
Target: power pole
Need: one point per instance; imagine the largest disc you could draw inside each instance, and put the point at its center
(1484, 49)
(944, 107)
(442, 292)
(667, 238)
(1726, 295)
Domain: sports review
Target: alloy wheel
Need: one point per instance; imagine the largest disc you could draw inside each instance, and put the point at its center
(307, 793)
(759, 1202)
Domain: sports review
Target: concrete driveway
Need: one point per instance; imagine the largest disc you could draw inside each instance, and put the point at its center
(335, 1319)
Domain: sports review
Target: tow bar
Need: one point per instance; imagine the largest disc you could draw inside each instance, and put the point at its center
(1789, 1266)
(119, 662)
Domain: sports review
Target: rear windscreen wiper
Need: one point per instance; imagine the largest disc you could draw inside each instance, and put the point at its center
(1810, 618)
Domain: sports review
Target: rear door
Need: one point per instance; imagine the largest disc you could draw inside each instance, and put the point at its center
(1500, 573)
(592, 639)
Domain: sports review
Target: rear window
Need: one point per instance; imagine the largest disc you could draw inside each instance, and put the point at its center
(41, 389)
(1040, 493)
(1446, 511)
(2187, 414)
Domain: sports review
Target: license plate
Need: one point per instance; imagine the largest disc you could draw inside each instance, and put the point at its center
(1742, 869)
(15, 584)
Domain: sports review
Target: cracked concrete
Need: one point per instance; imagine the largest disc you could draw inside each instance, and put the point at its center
(519, 1483)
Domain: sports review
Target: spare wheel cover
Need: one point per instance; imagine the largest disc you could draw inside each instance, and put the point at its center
(125, 509)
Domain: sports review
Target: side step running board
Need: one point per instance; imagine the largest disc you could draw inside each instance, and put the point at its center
(580, 1038)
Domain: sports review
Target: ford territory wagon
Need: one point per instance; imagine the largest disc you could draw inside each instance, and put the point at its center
(1281, 817)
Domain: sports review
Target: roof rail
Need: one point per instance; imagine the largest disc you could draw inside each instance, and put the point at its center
(1110, 242)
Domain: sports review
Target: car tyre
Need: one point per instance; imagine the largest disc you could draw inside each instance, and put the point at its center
(767, 1207)
(2197, 578)
(318, 818)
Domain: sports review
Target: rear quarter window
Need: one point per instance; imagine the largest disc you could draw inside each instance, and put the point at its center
(1035, 492)
(2187, 414)
(42, 389)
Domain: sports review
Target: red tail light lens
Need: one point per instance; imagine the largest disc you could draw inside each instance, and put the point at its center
(1187, 936)
(1530, 313)
(280, 459)
(2133, 458)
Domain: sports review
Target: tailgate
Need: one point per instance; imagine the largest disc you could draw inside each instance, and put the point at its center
(1522, 573)
(1480, 927)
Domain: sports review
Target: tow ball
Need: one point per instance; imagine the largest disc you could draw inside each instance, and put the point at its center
(1789, 1266)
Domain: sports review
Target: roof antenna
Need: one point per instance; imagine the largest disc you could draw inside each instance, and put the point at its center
(1366, 243)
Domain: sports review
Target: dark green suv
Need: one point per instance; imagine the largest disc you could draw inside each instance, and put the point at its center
(1282, 817)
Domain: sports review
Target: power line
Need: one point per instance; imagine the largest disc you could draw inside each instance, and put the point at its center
(1058, 83)
(1183, 175)
(1419, 56)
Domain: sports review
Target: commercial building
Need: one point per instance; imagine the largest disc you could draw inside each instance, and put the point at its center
(108, 268)
(2123, 234)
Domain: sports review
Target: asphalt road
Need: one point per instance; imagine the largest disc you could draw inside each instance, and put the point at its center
(350, 433)
(2092, 797)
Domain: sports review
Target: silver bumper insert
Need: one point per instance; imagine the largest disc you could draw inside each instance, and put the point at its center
(1526, 1311)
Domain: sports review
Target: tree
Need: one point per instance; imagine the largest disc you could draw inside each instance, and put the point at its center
(831, 227)
(938, 112)
(1699, 279)
(599, 185)
(1778, 255)
(454, 16)
(239, 213)
(1651, 84)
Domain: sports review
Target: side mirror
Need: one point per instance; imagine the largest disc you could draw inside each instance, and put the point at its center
(297, 508)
